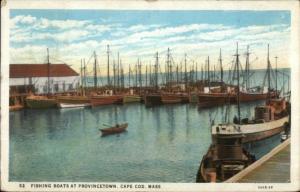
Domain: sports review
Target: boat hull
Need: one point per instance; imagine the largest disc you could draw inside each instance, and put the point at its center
(106, 100)
(152, 100)
(73, 99)
(114, 130)
(254, 132)
(40, 103)
(69, 105)
(171, 99)
(214, 99)
(132, 99)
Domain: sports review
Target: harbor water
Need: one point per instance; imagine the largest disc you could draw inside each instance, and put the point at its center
(162, 144)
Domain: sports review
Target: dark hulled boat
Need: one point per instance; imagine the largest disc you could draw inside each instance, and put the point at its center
(215, 99)
(172, 98)
(114, 130)
(224, 158)
(228, 155)
(98, 100)
(152, 100)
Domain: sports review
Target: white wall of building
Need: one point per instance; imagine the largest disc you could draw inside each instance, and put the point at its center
(57, 84)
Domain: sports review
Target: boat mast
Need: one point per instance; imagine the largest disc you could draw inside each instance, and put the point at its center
(136, 73)
(156, 72)
(276, 73)
(84, 75)
(118, 74)
(129, 76)
(146, 83)
(95, 71)
(81, 76)
(221, 66)
(48, 71)
(208, 73)
(247, 69)
(185, 71)
(238, 83)
(269, 77)
(114, 73)
(108, 75)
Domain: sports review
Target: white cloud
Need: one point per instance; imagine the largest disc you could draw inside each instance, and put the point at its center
(77, 39)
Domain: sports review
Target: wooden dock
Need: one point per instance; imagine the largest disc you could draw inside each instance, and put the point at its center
(274, 167)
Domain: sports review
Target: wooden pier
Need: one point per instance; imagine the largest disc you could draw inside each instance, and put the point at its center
(274, 167)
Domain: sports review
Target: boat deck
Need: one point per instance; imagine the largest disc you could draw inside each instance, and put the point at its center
(274, 167)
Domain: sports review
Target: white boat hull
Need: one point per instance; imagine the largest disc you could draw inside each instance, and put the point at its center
(68, 105)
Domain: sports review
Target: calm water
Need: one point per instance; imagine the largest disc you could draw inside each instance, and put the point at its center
(163, 144)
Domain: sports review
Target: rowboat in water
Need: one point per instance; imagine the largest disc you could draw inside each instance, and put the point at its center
(118, 128)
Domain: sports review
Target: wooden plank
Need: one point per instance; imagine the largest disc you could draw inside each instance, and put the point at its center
(273, 167)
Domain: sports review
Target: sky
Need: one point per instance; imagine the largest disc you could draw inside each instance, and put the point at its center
(72, 35)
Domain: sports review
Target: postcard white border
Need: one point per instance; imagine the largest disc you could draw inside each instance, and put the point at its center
(292, 6)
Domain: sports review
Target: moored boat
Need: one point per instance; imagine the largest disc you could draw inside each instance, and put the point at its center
(40, 102)
(132, 99)
(172, 98)
(215, 99)
(118, 128)
(152, 100)
(99, 100)
(73, 99)
(70, 105)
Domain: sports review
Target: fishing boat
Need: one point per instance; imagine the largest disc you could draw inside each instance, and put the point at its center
(73, 100)
(37, 101)
(224, 158)
(256, 96)
(215, 99)
(40, 102)
(118, 128)
(230, 151)
(98, 100)
(132, 99)
(172, 98)
(152, 100)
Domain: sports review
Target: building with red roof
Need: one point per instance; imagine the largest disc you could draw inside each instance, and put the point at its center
(62, 77)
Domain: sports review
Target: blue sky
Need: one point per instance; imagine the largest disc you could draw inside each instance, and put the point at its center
(74, 34)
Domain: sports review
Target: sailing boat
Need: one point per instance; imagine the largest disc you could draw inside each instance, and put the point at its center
(256, 93)
(37, 102)
(227, 154)
(75, 101)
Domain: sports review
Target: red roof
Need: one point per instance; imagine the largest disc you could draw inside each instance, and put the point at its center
(40, 70)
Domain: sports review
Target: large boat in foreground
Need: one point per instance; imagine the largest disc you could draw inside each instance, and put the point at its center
(229, 152)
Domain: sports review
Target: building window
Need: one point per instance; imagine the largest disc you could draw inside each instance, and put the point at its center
(56, 87)
(64, 86)
(70, 86)
(45, 89)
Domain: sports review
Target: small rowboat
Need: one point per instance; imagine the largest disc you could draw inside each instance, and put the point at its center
(77, 105)
(119, 128)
